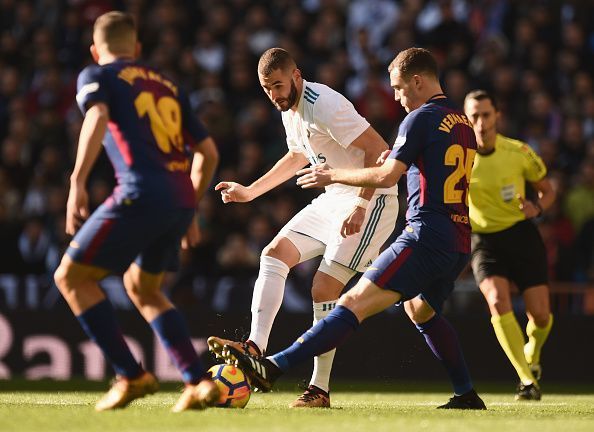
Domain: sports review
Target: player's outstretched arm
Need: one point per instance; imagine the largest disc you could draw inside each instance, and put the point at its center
(89, 147)
(372, 145)
(383, 176)
(282, 171)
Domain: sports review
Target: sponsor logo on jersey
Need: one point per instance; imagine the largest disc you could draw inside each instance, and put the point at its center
(456, 218)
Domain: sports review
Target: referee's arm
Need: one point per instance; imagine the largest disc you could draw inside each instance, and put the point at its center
(546, 197)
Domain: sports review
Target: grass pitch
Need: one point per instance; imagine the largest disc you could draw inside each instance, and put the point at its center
(52, 406)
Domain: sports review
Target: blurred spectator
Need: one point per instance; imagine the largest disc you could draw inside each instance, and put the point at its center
(572, 145)
(34, 244)
(579, 202)
(536, 57)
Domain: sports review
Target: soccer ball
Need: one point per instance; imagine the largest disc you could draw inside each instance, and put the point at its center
(234, 387)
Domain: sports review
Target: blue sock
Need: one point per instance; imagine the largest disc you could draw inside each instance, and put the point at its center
(175, 337)
(100, 325)
(443, 341)
(324, 336)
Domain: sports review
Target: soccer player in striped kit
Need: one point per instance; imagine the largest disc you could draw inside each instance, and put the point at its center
(347, 225)
(150, 133)
(436, 148)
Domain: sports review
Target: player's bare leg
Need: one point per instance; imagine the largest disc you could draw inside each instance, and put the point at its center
(367, 299)
(276, 261)
(144, 289)
(78, 284)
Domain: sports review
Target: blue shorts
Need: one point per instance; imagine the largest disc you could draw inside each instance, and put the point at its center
(411, 268)
(117, 234)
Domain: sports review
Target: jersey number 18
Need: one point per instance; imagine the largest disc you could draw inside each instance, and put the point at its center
(165, 117)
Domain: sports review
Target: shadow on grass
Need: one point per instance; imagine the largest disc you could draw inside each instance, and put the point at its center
(291, 385)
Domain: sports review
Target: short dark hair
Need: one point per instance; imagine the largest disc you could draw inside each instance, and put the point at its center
(414, 61)
(274, 59)
(480, 95)
(114, 27)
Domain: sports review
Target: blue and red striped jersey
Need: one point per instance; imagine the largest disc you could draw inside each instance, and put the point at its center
(437, 143)
(151, 131)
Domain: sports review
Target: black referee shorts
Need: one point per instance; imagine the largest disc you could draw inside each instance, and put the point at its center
(516, 253)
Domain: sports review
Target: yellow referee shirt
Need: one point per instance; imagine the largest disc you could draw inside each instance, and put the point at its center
(496, 180)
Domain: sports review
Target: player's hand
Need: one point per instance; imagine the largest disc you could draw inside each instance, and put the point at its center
(353, 223)
(382, 158)
(192, 236)
(234, 192)
(77, 209)
(315, 176)
(530, 209)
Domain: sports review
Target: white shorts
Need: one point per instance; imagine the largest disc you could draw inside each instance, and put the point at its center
(322, 220)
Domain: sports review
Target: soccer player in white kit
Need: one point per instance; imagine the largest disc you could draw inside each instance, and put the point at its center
(346, 225)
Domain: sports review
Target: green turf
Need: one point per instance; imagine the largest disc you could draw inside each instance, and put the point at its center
(356, 407)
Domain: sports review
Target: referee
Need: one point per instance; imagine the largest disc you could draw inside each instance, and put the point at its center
(506, 245)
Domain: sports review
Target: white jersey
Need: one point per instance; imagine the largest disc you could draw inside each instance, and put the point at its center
(323, 128)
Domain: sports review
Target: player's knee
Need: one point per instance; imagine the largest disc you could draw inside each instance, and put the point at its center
(352, 303)
(65, 278)
(418, 310)
(142, 288)
(321, 293)
(419, 315)
(498, 301)
(541, 318)
(349, 301)
(273, 250)
(60, 277)
(132, 286)
(278, 251)
(329, 281)
(133, 291)
(501, 305)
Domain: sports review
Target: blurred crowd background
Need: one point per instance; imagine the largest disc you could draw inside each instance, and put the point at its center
(536, 56)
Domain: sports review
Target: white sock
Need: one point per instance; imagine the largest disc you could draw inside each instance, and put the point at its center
(267, 299)
(323, 363)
